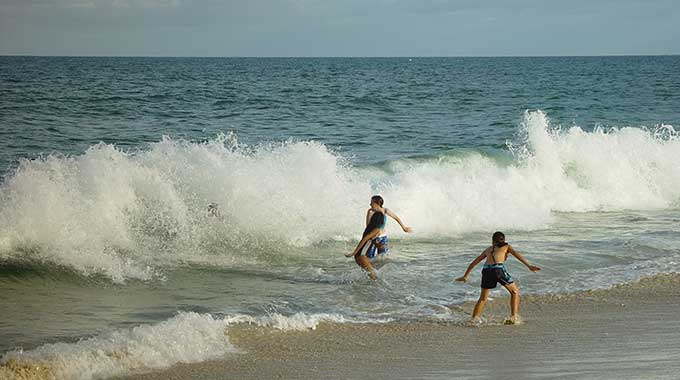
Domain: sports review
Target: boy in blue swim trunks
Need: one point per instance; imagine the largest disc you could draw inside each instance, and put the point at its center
(374, 234)
(494, 272)
(379, 243)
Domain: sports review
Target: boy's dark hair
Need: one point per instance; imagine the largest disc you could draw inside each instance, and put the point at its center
(377, 199)
(498, 239)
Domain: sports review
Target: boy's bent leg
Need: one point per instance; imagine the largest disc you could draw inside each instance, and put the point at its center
(514, 299)
(479, 306)
(365, 263)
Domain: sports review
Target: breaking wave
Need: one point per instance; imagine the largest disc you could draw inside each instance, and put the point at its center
(127, 214)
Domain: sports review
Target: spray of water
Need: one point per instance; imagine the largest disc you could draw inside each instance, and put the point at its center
(125, 214)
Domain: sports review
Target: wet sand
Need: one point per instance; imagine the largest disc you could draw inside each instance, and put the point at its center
(627, 332)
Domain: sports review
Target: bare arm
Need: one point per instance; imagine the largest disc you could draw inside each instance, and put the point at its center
(523, 260)
(472, 265)
(396, 218)
(363, 241)
(369, 213)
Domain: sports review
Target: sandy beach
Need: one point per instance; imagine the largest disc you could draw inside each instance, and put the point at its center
(630, 331)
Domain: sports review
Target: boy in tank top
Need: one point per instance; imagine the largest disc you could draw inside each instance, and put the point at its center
(374, 235)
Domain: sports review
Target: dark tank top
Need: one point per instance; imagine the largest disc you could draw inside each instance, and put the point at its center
(377, 221)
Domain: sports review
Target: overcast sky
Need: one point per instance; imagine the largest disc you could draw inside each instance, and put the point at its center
(339, 27)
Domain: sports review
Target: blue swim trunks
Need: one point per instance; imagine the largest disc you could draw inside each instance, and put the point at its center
(377, 245)
(492, 274)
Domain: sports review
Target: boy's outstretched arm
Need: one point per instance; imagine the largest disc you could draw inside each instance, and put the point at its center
(519, 257)
(472, 265)
(395, 217)
(363, 241)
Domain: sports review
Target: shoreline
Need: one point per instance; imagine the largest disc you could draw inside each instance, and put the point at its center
(629, 331)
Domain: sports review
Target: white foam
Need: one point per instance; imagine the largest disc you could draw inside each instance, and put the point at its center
(555, 170)
(186, 338)
(295, 322)
(125, 215)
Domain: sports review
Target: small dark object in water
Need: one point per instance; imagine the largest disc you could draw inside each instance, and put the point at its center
(212, 210)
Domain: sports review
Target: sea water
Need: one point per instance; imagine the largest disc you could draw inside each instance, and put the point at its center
(111, 261)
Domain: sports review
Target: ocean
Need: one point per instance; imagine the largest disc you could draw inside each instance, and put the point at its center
(111, 262)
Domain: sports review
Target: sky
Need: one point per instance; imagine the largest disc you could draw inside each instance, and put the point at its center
(283, 28)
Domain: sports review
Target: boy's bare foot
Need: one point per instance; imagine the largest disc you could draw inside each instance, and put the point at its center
(513, 320)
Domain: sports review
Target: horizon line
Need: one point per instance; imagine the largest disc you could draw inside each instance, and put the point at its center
(331, 56)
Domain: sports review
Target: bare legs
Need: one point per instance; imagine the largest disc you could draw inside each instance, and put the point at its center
(479, 306)
(365, 263)
(484, 295)
(514, 299)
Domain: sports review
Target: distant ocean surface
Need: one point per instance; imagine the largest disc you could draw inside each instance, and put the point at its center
(111, 262)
